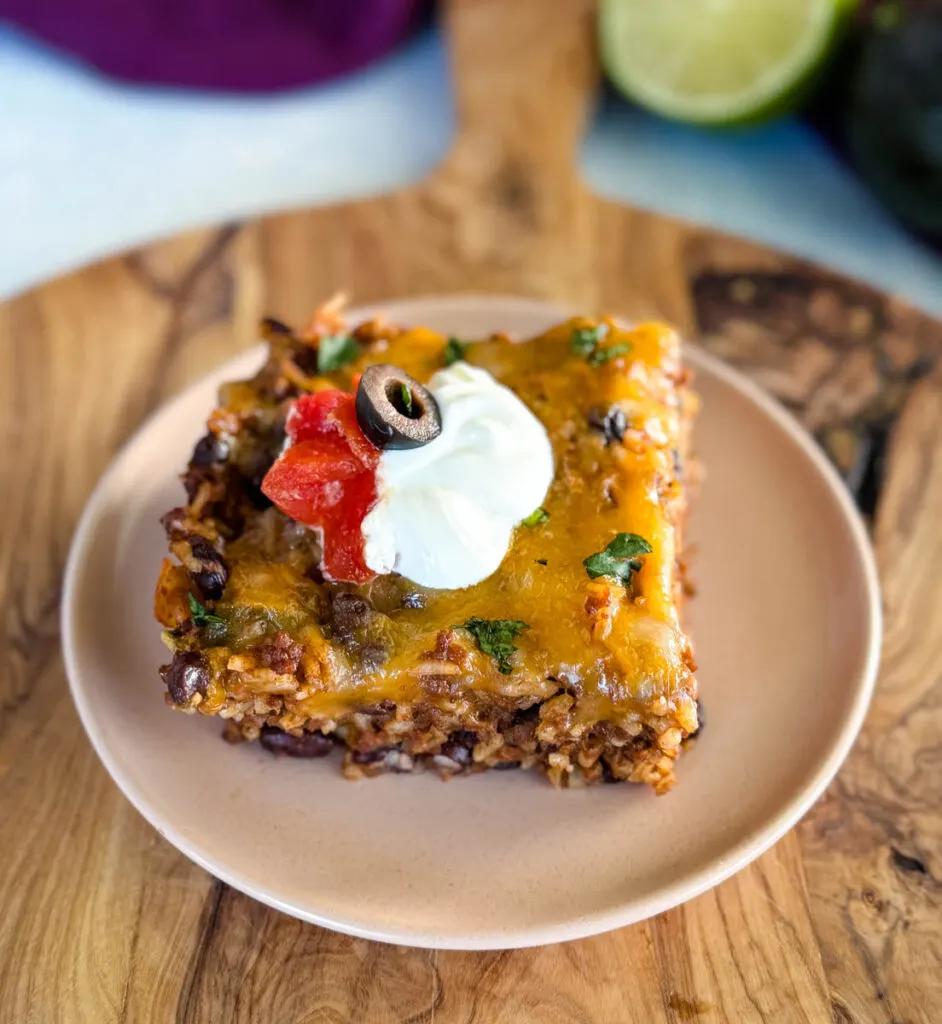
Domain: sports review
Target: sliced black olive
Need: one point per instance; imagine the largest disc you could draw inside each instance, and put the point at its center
(395, 410)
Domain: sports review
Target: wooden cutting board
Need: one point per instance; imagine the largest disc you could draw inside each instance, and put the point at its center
(101, 920)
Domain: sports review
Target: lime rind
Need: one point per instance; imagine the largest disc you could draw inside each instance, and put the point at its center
(774, 90)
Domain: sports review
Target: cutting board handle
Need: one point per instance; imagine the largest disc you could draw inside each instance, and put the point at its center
(524, 76)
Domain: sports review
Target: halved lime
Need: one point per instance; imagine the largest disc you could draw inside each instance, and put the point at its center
(717, 61)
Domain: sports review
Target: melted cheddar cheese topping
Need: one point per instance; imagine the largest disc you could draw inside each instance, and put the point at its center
(616, 649)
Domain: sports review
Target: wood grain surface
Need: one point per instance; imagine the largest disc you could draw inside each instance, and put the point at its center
(101, 920)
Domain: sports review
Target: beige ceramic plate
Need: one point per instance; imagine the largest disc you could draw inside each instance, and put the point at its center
(787, 630)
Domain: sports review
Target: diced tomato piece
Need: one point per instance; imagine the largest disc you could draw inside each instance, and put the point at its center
(343, 536)
(345, 419)
(308, 418)
(326, 478)
(330, 413)
(306, 481)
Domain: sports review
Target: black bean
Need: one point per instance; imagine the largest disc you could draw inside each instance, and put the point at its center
(393, 759)
(210, 450)
(185, 676)
(458, 748)
(305, 359)
(370, 756)
(413, 599)
(212, 575)
(309, 744)
(611, 423)
(211, 584)
(269, 325)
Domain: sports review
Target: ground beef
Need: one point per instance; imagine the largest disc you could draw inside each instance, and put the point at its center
(373, 656)
(280, 653)
(348, 613)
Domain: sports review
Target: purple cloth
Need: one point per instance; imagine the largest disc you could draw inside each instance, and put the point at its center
(237, 45)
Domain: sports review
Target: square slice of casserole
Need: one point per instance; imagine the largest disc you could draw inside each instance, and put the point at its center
(600, 684)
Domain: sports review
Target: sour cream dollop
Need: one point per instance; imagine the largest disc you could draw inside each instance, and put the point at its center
(446, 511)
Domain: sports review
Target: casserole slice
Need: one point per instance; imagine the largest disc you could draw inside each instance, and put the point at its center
(569, 658)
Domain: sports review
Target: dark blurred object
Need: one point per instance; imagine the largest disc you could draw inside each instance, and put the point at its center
(882, 109)
(895, 116)
(236, 45)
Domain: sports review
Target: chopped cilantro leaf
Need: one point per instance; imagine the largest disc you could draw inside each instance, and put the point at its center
(587, 342)
(536, 518)
(406, 394)
(603, 355)
(454, 350)
(201, 615)
(619, 559)
(334, 351)
(496, 638)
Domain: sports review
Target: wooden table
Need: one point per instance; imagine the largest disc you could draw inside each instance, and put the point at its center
(101, 920)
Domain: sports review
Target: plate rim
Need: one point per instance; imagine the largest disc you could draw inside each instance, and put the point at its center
(749, 848)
